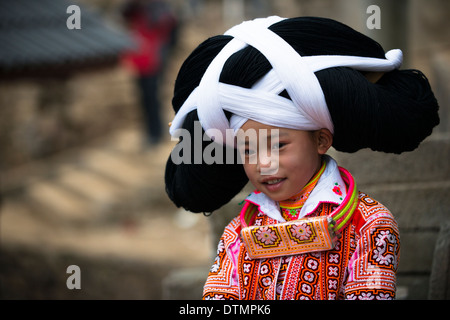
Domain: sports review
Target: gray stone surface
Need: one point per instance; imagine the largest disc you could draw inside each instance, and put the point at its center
(440, 272)
(184, 284)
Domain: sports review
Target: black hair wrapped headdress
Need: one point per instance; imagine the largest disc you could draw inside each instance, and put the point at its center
(303, 73)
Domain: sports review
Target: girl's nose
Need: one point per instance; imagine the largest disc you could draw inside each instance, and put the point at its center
(267, 164)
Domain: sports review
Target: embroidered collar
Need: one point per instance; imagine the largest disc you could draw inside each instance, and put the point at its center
(330, 189)
(307, 234)
(291, 207)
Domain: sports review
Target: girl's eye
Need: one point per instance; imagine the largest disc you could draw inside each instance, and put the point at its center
(249, 152)
(278, 145)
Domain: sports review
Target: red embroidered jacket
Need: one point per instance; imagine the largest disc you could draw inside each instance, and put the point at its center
(362, 265)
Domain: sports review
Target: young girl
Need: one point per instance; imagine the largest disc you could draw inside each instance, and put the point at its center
(303, 85)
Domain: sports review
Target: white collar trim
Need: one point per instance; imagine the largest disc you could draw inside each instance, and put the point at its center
(330, 188)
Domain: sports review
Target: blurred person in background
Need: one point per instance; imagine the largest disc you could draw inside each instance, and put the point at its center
(153, 26)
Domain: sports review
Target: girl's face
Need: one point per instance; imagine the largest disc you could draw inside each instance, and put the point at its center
(282, 161)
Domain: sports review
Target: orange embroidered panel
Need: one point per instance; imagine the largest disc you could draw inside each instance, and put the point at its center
(293, 237)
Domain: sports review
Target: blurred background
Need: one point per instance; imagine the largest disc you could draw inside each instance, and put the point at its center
(84, 105)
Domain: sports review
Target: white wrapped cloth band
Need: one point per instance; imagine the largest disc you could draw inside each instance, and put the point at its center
(291, 72)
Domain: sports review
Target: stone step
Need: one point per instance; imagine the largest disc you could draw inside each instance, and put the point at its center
(440, 275)
(106, 199)
(100, 183)
(94, 187)
(429, 162)
(104, 188)
(33, 273)
(130, 144)
(416, 252)
(111, 165)
(441, 86)
(127, 141)
(58, 204)
(415, 205)
(185, 284)
(143, 180)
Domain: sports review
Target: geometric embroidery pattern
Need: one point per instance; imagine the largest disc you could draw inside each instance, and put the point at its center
(266, 236)
(372, 274)
(361, 266)
(302, 232)
(387, 249)
(219, 285)
(284, 239)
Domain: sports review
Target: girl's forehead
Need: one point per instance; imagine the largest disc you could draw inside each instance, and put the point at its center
(264, 129)
(251, 124)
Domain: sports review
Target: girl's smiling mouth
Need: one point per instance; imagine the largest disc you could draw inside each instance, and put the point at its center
(273, 184)
(273, 181)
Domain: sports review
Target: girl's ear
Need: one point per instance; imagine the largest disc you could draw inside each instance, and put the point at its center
(324, 140)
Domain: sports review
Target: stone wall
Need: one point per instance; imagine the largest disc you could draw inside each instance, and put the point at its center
(42, 116)
(415, 187)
